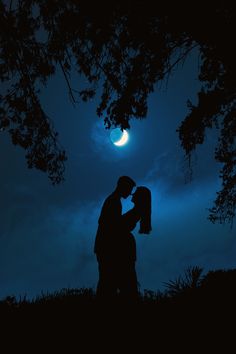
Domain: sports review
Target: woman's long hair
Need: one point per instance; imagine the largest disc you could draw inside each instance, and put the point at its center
(143, 203)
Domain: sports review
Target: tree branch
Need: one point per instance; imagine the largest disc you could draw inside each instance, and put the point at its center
(68, 84)
(179, 59)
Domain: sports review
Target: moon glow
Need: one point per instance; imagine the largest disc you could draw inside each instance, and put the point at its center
(119, 137)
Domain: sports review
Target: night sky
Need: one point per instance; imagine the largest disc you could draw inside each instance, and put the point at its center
(47, 232)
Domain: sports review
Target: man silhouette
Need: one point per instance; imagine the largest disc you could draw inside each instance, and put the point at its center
(108, 239)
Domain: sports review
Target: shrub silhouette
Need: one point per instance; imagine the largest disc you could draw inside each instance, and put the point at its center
(191, 280)
(220, 285)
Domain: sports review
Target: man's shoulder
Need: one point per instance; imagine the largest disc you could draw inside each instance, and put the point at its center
(112, 199)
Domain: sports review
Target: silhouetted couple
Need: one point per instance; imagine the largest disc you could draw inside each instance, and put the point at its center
(115, 246)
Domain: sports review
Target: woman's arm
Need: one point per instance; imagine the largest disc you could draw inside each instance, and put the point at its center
(130, 219)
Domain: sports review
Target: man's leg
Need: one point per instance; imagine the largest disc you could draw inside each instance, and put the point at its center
(106, 288)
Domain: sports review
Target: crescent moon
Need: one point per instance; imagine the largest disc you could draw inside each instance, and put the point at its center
(123, 140)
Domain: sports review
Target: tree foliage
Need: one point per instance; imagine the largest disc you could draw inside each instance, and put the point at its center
(127, 48)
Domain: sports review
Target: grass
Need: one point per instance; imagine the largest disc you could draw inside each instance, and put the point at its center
(189, 308)
(191, 287)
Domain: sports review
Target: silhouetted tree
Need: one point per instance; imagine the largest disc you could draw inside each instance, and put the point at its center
(127, 48)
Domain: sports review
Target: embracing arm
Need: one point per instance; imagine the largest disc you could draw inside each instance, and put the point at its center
(130, 219)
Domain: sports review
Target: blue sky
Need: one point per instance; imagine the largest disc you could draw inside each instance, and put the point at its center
(47, 232)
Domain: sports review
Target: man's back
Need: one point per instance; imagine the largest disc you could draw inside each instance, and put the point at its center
(108, 226)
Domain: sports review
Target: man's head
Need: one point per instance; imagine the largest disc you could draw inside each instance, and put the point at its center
(125, 185)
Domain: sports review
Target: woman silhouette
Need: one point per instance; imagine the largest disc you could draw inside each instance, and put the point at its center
(141, 212)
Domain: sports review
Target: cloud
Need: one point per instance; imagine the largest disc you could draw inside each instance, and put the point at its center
(47, 236)
(45, 248)
(182, 235)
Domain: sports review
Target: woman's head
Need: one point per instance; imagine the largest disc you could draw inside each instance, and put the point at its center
(142, 200)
